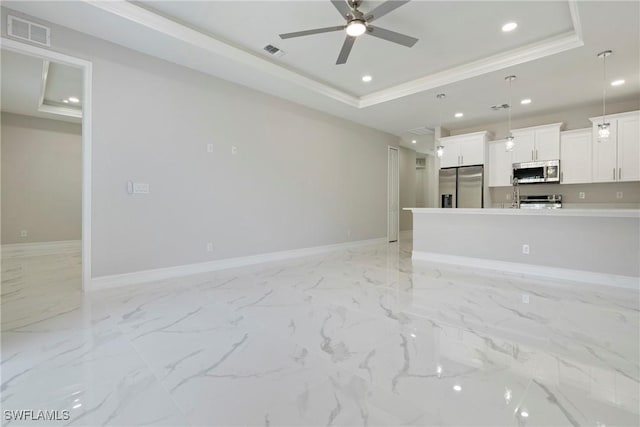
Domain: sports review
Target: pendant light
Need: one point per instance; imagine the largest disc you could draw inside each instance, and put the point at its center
(604, 128)
(440, 148)
(509, 143)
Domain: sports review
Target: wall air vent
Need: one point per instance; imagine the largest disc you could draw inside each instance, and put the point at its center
(29, 31)
(499, 107)
(272, 50)
(421, 131)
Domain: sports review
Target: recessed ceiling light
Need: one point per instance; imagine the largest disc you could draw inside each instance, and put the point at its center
(74, 99)
(525, 101)
(367, 78)
(509, 26)
(458, 115)
(524, 414)
(619, 82)
(457, 387)
(413, 141)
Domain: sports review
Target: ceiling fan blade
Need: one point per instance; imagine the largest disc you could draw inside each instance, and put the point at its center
(384, 8)
(310, 32)
(391, 36)
(346, 50)
(342, 7)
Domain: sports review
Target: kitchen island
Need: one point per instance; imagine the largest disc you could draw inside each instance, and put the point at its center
(587, 245)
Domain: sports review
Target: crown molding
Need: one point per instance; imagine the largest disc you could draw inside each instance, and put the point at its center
(156, 22)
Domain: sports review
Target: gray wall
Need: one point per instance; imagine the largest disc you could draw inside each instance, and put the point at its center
(407, 161)
(596, 244)
(301, 178)
(41, 179)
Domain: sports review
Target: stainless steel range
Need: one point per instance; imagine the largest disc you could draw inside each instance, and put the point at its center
(547, 201)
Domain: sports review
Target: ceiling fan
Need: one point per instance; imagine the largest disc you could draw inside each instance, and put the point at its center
(358, 24)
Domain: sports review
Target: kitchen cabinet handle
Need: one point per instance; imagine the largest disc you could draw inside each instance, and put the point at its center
(614, 174)
(536, 154)
(561, 176)
(619, 173)
(462, 159)
(531, 154)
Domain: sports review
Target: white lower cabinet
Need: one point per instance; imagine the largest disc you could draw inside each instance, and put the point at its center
(500, 165)
(575, 156)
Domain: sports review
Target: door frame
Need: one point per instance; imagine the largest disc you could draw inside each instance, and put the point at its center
(397, 150)
(86, 67)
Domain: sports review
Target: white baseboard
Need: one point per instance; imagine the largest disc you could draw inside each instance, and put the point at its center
(590, 277)
(116, 280)
(16, 250)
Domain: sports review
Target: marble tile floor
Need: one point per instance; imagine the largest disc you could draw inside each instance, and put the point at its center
(350, 338)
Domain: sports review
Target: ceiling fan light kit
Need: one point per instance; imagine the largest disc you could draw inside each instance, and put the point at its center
(358, 24)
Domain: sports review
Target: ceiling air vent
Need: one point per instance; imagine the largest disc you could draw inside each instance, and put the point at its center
(421, 131)
(272, 50)
(29, 31)
(499, 107)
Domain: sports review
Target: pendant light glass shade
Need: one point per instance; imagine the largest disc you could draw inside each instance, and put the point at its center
(604, 128)
(509, 143)
(440, 150)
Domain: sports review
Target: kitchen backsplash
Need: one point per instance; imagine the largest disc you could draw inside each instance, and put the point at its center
(603, 195)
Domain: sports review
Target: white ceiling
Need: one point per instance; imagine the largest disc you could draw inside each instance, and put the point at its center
(22, 87)
(461, 52)
(442, 44)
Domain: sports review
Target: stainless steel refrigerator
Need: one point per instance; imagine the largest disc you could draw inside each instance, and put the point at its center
(462, 187)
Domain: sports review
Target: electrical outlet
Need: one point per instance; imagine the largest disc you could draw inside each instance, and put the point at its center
(209, 247)
(525, 249)
(234, 150)
(23, 233)
(209, 148)
(525, 298)
(619, 195)
(581, 195)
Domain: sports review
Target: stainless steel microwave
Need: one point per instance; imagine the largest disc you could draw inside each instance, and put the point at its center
(536, 172)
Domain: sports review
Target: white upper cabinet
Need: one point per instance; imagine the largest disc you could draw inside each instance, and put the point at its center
(450, 155)
(575, 156)
(537, 143)
(618, 157)
(500, 165)
(629, 148)
(464, 150)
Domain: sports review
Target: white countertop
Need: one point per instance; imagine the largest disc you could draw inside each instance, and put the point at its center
(602, 213)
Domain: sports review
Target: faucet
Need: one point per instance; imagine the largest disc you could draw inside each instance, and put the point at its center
(516, 195)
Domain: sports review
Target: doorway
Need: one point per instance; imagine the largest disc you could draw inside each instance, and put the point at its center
(57, 118)
(393, 194)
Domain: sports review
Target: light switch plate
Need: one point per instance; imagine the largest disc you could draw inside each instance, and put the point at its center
(23, 233)
(209, 148)
(581, 195)
(234, 150)
(619, 195)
